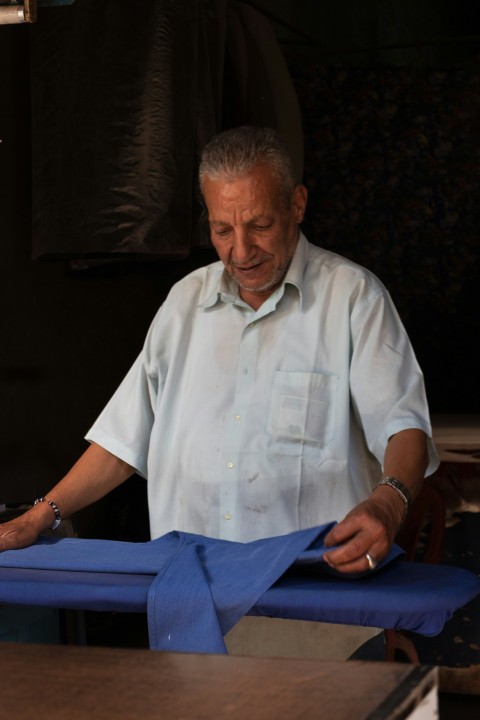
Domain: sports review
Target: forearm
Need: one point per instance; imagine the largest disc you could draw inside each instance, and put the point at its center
(95, 473)
(373, 524)
(406, 459)
(93, 476)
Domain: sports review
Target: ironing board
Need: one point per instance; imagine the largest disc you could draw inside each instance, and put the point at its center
(194, 589)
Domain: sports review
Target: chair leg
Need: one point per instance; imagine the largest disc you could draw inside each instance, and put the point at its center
(396, 640)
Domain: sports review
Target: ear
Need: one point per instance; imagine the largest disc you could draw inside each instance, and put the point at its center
(299, 202)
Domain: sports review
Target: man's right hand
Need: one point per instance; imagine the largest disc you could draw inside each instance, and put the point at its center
(94, 474)
(24, 530)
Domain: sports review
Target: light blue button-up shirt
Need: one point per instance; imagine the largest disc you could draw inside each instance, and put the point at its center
(252, 423)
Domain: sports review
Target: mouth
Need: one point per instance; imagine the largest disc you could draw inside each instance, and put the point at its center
(247, 269)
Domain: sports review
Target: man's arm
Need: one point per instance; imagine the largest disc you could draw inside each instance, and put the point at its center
(372, 525)
(93, 476)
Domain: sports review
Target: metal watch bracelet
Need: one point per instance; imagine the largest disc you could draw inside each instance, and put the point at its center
(401, 490)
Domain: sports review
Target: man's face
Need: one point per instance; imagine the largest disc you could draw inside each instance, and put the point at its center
(253, 230)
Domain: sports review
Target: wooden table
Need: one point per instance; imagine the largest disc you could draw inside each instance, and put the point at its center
(85, 683)
(457, 437)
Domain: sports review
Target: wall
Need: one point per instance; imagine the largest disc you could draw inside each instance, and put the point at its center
(68, 337)
(390, 99)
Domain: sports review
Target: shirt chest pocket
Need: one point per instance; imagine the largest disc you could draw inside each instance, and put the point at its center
(302, 408)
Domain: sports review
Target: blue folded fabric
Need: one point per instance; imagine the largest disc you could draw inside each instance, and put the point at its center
(195, 589)
(202, 586)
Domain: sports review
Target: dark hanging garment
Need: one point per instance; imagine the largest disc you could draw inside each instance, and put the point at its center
(258, 89)
(115, 108)
(124, 96)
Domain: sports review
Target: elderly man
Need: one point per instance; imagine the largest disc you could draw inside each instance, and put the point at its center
(276, 390)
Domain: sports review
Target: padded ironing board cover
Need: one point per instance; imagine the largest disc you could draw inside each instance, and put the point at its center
(195, 589)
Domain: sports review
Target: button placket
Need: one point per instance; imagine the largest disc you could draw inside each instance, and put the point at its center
(247, 357)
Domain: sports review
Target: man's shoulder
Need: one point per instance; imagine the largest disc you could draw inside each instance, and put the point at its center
(185, 296)
(326, 262)
(198, 283)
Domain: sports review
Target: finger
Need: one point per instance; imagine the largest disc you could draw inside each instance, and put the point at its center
(12, 539)
(361, 565)
(344, 531)
(345, 559)
(354, 562)
(5, 539)
(351, 550)
(4, 544)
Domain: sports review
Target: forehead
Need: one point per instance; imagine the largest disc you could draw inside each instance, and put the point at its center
(254, 194)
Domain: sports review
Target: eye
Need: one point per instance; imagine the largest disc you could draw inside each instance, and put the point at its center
(221, 232)
(263, 227)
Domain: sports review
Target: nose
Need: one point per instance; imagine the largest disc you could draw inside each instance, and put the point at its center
(243, 250)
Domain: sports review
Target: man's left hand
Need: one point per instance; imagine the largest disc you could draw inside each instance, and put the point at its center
(364, 537)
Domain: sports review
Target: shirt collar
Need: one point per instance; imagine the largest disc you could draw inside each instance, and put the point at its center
(296, 271)
(219, 286)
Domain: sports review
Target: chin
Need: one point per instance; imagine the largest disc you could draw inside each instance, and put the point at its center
(260, 290)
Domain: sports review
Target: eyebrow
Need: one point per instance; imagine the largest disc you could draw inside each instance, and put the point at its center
(257, 218)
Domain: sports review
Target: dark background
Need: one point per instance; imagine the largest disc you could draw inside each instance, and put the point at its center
(390, 99)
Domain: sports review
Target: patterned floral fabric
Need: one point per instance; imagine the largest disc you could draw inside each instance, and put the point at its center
(392, 164)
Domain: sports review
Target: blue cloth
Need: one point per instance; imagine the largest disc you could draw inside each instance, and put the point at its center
(202, 587)
(410, 596)
(195, 589)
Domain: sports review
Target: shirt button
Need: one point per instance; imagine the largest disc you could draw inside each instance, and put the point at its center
(227, 516)
(229, 465)
(238, 417)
